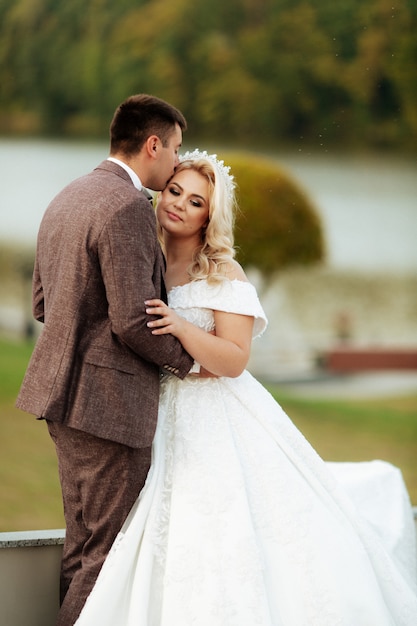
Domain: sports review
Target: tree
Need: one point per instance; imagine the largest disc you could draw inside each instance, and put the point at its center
(242, 71)
(277, 226)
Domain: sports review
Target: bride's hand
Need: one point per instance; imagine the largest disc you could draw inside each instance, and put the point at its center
(168, 322)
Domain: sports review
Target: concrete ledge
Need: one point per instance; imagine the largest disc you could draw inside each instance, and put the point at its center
(30, 538)
(29, 577)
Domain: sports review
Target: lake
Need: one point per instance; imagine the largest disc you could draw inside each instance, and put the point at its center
(368, 204)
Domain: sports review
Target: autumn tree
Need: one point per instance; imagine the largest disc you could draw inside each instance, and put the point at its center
(277, 224)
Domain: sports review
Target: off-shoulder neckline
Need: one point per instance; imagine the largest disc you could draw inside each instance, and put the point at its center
(204, 280)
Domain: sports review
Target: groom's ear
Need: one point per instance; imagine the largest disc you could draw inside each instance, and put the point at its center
(153, 145)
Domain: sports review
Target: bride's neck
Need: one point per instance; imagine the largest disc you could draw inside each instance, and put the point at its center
(178, 259)
(180, 251)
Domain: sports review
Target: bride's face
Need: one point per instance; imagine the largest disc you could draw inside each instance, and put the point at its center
(183, 206)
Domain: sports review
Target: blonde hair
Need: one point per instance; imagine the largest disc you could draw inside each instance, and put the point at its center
(212, 259)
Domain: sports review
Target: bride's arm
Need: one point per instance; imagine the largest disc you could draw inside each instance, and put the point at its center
(224, 354)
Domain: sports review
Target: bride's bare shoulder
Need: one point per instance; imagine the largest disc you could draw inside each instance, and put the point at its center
(235, 271)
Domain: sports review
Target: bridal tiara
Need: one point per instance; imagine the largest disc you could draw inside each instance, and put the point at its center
(219, 166)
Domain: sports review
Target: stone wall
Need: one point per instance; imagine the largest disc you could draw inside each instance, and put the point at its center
(312, 311)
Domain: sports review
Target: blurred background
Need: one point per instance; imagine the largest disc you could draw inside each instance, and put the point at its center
(314, 104)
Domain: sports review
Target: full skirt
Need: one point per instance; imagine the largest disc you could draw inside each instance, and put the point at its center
(241, 523)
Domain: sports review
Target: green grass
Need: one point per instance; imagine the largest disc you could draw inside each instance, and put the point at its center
(340, 430)
(30, 494)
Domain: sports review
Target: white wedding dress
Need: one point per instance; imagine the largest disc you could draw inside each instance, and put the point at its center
(241, 523)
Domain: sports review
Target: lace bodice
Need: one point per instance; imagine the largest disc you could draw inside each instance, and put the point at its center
(197, 300)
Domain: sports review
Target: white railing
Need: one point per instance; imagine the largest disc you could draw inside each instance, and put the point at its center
(29, 576)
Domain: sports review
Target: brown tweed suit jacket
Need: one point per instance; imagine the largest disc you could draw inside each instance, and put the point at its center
(96, 365)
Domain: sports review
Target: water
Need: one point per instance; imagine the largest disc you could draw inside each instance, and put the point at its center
(32, 173)
(367, 204)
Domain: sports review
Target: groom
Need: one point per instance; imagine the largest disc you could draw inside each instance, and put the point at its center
(94, 372)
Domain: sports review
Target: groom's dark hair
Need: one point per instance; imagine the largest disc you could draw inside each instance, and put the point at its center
(139, 117)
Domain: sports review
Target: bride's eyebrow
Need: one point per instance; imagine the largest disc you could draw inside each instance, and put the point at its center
(196, 195)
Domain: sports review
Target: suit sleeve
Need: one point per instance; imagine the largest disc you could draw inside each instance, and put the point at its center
(130, 259)
(38, 302)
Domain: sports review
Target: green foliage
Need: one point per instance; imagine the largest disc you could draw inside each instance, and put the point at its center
(16, 262)
(277, 225)
(244, 70)
(14, 357)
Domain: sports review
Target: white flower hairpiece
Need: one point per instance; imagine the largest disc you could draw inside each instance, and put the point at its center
(219, 166)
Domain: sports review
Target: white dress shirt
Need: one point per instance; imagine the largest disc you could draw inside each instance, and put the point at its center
(135, 178)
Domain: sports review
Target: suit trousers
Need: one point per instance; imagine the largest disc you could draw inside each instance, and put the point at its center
(100, 481)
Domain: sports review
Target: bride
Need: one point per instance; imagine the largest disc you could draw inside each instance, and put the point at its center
(240, 522)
